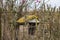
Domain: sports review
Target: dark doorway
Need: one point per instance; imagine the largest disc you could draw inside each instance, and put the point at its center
(31, 28)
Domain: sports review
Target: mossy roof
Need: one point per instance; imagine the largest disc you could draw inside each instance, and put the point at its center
(27, 18)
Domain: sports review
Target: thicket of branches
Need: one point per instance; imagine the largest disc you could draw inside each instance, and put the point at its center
(9, 13)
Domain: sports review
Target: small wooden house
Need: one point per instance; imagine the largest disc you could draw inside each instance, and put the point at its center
(28, 24)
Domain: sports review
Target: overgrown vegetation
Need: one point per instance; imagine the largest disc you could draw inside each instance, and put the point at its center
(49, 27)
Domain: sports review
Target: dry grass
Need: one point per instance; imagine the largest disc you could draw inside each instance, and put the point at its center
(48, 29)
